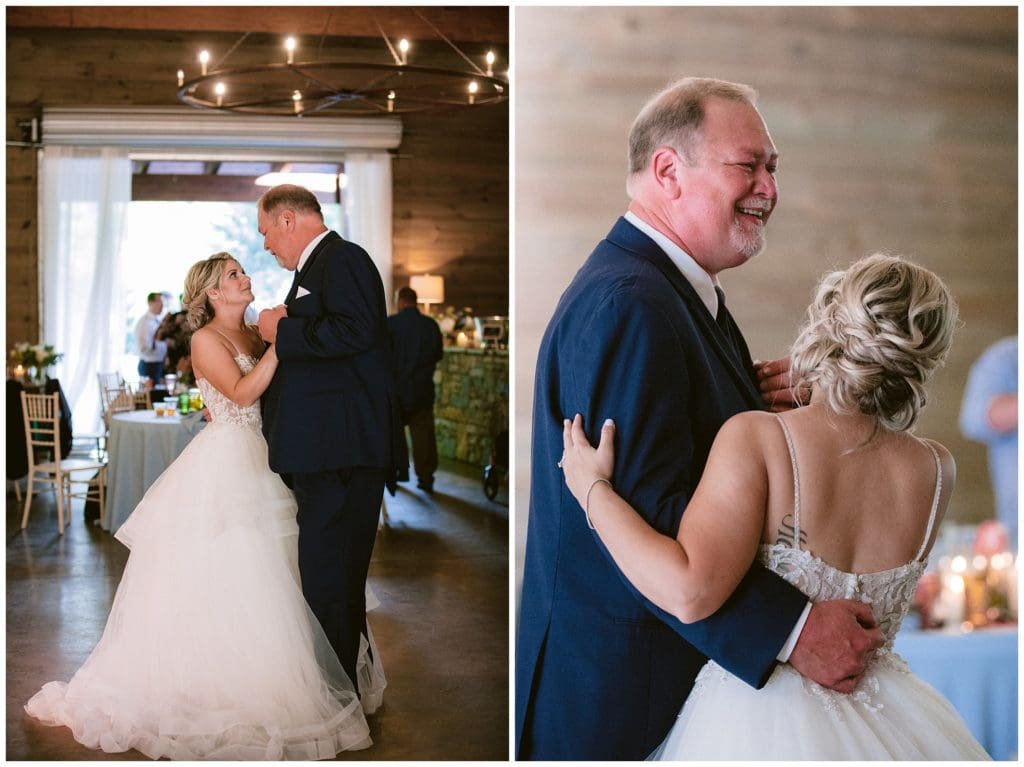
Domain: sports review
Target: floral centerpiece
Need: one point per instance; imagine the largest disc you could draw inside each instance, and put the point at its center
(33, 357)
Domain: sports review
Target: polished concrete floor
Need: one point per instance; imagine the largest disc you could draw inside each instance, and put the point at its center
(440, 569)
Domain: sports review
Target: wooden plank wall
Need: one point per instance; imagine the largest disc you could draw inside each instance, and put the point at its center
(897, 130)
(451, 171)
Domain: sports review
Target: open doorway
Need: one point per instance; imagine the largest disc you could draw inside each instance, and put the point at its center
(184, 210)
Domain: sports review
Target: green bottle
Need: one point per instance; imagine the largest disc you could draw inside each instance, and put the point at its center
(183, 403)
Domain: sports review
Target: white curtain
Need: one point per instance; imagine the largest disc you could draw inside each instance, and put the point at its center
(367, 202)
(84, 195)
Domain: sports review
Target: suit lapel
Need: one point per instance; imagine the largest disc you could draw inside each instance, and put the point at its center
(301, 274)
(626, 236)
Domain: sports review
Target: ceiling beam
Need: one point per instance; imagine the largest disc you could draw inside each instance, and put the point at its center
(467, 24)
(203, 189)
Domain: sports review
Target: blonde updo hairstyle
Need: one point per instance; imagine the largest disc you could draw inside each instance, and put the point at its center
(874, 334)
(202, 277)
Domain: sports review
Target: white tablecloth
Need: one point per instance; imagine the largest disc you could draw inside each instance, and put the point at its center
(977, 672)
(141, 446)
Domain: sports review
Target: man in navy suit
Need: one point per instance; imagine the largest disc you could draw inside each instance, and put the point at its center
(642, 336)
(416, 348)
(330, 412)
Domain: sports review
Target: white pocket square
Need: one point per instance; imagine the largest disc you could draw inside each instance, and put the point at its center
(301, 291)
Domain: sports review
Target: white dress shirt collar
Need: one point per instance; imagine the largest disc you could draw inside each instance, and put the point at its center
(309, 249)
(701, 281)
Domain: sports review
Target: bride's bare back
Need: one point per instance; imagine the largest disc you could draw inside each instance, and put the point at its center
(865, 503)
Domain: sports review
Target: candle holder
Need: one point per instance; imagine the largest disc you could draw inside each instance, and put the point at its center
(355, 84)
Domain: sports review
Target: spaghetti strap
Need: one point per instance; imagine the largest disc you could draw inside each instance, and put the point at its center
(935, 500)
(237, 353)
(796, 481)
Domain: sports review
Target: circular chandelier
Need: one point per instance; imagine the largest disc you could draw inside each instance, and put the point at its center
(346, 88)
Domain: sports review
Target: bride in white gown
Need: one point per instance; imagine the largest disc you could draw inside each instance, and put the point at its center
(838, 498)
(210, 651)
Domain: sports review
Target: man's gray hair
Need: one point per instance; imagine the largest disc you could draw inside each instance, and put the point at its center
(673, 117)
(292, 196)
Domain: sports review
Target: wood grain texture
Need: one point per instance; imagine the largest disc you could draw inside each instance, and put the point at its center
(484, 25)
(451, 171)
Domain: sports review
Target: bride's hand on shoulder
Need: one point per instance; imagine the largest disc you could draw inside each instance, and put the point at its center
(582, 463)
(776, 381)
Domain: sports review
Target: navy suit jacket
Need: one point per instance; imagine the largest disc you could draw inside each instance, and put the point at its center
(416, 348)
(601, 673)
(331, 403)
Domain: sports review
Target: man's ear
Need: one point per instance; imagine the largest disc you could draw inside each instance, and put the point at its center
(666, 167)
(287, 218)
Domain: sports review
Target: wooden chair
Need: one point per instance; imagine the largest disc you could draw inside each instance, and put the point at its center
(45, 465)
(113, 399)
(142, 399)
(109, 381)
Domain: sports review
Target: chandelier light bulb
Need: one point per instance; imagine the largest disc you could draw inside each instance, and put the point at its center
(267, 88)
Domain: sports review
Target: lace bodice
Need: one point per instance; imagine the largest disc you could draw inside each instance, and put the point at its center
(889, 593)
(223, 409)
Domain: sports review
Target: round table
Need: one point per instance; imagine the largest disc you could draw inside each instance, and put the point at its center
(977, 672)
(141, 446)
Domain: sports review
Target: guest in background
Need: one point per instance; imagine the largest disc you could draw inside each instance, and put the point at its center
(175, 332)
(989, 414)
(151, 350)
(416, 348)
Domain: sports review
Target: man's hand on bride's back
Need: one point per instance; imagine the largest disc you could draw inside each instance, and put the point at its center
(836, 644)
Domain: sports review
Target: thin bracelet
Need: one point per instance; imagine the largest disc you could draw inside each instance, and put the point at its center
(586, 505)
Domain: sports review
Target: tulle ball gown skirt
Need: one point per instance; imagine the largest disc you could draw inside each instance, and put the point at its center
(210, 651)
(893, 715)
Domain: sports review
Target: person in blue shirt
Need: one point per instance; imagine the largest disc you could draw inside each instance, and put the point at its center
(989, 414)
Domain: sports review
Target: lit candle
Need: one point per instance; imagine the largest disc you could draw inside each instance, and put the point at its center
(391, 101)
(19, 371)
(297, 101)
(220, 89)
(462, 340)
(181, 77)
(954, 601)
(490, 63)
(204, 59)
(473, 87)
(403, 46)
(1011, 588)
(289, 45)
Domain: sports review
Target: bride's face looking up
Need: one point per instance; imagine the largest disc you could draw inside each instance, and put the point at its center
(233, 288)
